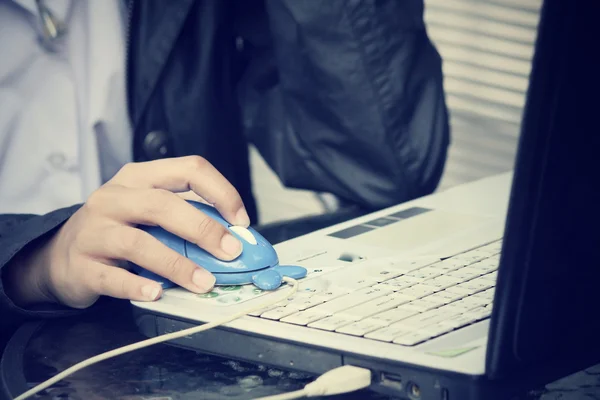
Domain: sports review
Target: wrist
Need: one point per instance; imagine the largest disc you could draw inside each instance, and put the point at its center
(25, 277)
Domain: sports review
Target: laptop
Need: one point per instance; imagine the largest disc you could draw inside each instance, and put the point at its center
(482, 291)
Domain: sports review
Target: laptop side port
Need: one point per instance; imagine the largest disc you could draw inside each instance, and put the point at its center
(445, 394)
(391, 381)
(413, 391)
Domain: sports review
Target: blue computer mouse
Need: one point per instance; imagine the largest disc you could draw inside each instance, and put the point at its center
(258, 263)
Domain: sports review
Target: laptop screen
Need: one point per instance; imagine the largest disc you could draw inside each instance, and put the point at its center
(547, 302)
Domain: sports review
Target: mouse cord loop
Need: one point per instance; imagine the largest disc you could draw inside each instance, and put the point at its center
(158, 339)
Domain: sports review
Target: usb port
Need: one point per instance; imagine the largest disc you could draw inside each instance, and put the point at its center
(392, 381)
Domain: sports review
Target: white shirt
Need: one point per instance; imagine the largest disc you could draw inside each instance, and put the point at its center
(64, 128)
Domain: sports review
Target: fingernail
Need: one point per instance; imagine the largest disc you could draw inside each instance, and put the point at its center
(203, 279)
(242, 218)
(231, 245)
(151, 292)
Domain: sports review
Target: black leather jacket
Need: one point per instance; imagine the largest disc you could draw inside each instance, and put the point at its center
(342, 96)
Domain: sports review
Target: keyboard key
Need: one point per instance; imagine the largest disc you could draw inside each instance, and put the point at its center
(382, 274)
(458, 321)
(381, 270)
(426, 273)
(360, 328)
(376, 305)
(298, 299)
(436, 329)
(451, 264)
(257, 313)
(394, 315)
(457, 308)
(300, 304)
(352, 299)
(409, 264)
(422, 305)
(305, 294)
(444, 297)
(427, 318)
(480, 313)
(312, 287)
(278, 313)
(418, 291)
(387, 334)
(472, 288)
(356, 283)
(467, 304)
(330, 293)
(443, 282)
(477, 284)
(472, 256)
(331, 323)
(350, 278)
(474, 301)
(402, 282)
(485, 266)
(263, 310)
(492, 277)
(460, 290)
(303, 318)
(412, 338)
(465, 273)
(486, 294)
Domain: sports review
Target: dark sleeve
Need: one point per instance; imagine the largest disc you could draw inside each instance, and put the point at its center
(346, 97)
(16, 232)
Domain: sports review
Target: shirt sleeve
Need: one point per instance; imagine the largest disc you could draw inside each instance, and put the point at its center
(16, 232)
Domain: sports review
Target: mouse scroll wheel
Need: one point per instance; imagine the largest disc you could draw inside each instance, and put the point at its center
(244, 234)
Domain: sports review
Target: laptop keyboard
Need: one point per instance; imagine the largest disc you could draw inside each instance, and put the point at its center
(396, 301)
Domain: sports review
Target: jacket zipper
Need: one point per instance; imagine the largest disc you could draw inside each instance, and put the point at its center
(127, 51)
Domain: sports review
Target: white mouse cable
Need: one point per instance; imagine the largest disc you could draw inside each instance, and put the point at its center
(322, 386)
(158, 339)
(344, 379)
(327, 384)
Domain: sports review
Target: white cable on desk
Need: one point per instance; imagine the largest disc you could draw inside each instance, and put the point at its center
(155, 340)
(344, 379)
(330, 383)
(286, 396)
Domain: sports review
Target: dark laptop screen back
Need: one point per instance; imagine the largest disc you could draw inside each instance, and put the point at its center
(547, 307)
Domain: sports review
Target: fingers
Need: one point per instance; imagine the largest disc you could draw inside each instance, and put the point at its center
(190, 195)
(171, 212)
(106, 280)
(139, 247)
(185, 173)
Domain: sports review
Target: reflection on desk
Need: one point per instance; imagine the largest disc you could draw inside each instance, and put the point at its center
(164, 372)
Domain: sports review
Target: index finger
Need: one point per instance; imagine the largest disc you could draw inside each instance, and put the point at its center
(183, 174)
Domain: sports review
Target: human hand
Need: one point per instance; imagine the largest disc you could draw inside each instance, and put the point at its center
(81, 262)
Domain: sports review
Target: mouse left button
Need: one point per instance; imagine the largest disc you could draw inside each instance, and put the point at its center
(244, 234)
